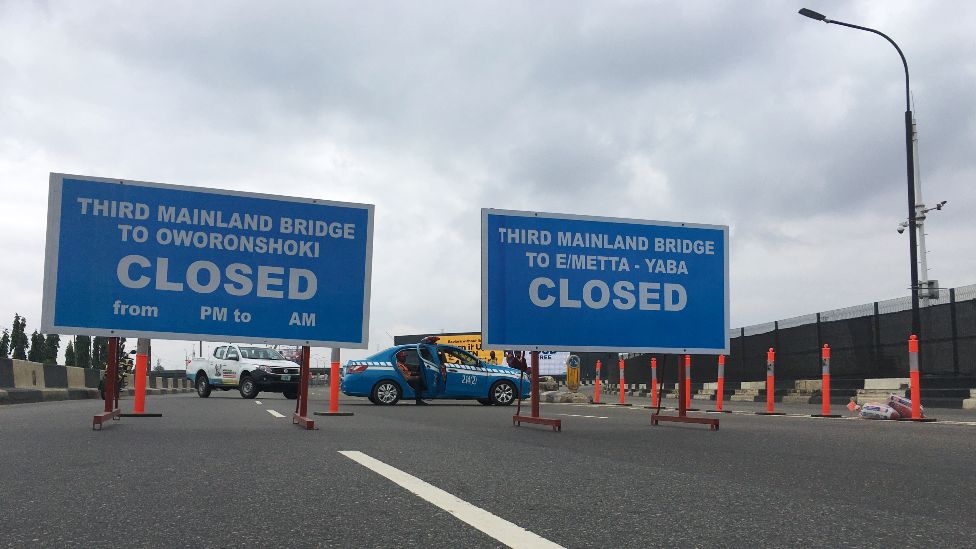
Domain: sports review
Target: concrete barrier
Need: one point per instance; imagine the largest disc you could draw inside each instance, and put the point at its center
(22, 381)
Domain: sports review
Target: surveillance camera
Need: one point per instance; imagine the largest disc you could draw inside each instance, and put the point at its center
(901, 229)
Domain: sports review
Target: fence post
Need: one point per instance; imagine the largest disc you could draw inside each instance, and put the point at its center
(955, 331)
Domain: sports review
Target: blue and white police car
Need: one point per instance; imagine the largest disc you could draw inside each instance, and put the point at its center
(448, 373)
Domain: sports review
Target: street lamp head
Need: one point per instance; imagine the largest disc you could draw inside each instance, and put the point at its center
(814, 15)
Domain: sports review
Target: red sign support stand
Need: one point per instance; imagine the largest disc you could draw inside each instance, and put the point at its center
(111, 373)
(301, 406)
(556, 424)
(334, 389)
(683, 416)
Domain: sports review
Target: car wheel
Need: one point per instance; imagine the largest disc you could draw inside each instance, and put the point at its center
(290, 395)
(484, 401)
(502, 393)
(387, 393)
(203, 386)
(371, 399)
(248, 388)
(101, 390)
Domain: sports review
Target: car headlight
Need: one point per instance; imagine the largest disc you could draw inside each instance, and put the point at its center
(265, 369)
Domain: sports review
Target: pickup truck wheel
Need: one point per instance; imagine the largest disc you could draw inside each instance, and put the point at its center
(248, 388)
(387, 393)
(203, 386)
(502, 393)
(290, 395)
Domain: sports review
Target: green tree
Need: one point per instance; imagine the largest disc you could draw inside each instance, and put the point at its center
(18, 338)
(52, 346)
(5, 344)
(69, 354)
(83, 351)
(36, 352)
(99, 352)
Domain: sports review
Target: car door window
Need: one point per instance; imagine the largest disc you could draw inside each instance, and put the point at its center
(219, 353)
(231, 354)
(451, 355)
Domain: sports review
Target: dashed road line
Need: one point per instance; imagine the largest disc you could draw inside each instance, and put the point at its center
(498, 528)
(257, 402)
(581, 415)
(275, 414)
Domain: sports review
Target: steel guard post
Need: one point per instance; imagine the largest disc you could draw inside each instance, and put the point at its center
(301, 406)
(556, 424)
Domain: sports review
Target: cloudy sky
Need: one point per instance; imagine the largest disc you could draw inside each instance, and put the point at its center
(740, 113)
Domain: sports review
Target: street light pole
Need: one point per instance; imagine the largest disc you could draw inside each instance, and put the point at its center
(910, 157)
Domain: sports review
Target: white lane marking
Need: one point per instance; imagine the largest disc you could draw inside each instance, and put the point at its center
(275, 414)
(580, 415)
(506, 532)
(257, 402)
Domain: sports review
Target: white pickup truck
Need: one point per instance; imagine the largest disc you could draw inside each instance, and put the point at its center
(245, 368)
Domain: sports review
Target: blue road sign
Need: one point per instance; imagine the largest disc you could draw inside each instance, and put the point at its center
(565, 282)
(136, 259)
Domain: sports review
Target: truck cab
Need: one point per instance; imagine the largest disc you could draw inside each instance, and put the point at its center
(249, 369)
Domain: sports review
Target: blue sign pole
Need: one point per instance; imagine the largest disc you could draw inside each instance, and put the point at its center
(566, 282)
(151, 260)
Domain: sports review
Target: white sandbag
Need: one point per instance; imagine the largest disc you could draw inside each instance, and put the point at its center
(903, 405)
(878, 411)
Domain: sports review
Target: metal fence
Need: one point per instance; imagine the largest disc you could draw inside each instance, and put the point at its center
(866, 341)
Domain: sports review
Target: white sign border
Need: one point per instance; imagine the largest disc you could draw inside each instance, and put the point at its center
(52, 248)
(485, 212)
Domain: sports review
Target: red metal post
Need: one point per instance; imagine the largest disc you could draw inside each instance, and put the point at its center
(721, 383)
(913, 367)
(535, 384)
(111, 373)
(654, 395)
(682, 386)
(596, 388)
(556, 424)
(301, 407)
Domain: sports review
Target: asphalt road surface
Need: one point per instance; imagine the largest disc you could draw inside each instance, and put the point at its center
(225, 471)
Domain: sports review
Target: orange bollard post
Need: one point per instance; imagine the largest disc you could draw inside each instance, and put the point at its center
(825, 384)
(720, 385)
(596, 388)
(770, 385)
(688, 384)
(139, 399)
(334, 388)
(913, 373)
(654, 395)
(623, 383)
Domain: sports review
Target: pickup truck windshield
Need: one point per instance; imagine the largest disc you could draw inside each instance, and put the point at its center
(261, 353)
